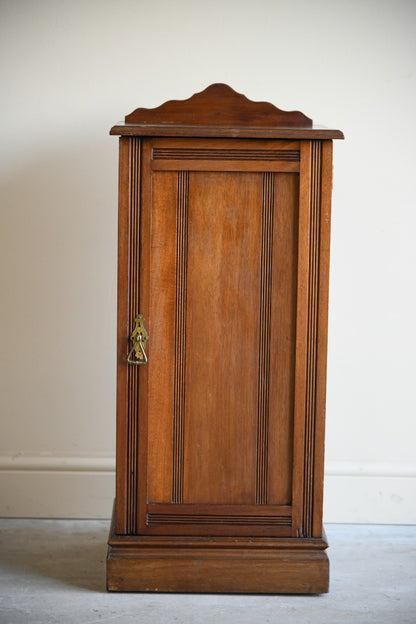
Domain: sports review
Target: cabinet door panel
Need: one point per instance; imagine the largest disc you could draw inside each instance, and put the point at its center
(222, 337)
(220, 250)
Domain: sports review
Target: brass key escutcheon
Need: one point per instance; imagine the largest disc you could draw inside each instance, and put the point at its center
(139, 337)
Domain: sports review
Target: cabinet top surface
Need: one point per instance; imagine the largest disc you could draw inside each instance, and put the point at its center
(219, 111)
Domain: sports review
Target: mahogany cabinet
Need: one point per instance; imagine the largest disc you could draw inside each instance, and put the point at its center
(224, 217)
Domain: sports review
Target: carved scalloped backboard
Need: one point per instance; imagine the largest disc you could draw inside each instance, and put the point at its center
(219, 105)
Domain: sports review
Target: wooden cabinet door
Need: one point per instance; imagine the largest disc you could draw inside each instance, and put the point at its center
(214, 443)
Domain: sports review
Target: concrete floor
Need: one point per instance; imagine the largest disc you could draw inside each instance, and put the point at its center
(53, 571)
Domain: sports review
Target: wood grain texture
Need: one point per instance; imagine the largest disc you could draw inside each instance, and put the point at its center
(224, 249)
(168, 286)
(264, 155)
(160, 246)
(180, 336)
(295, 575)
(283, 338)
(322, 335)
(143, 372)
(217, 519)
(122, 333)
(128, 288)
(312, 344)
(313, 278)
(207, 543)
(274, 132)
(222, 510)
(302, 319)
(222, 337)
(266, 263)
(225, 155)
(221, 565)
(134, 307)
(218, 105)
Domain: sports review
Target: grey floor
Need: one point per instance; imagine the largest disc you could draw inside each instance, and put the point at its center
(54, 571)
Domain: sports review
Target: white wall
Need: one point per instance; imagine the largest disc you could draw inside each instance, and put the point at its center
(69, 70)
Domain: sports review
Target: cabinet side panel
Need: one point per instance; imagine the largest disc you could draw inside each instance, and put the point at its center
(322, 333)
(222, 337)
(282, 340)
(301, 336)
(311, 343)
(314, 205)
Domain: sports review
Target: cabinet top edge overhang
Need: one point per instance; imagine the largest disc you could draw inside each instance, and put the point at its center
(219, 111)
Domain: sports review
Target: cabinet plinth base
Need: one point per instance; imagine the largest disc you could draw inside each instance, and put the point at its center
(270, 566)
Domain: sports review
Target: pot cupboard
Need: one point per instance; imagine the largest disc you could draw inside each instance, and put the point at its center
(224, 225)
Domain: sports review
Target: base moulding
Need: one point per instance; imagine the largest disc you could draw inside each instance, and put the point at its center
(212, 565)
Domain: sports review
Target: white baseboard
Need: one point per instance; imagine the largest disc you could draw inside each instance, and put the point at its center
(83, 487)
(56, 487)
(40, 463)
(370, 493)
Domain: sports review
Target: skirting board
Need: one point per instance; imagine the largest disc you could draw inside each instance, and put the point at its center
(56, 487)
(79, 487)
